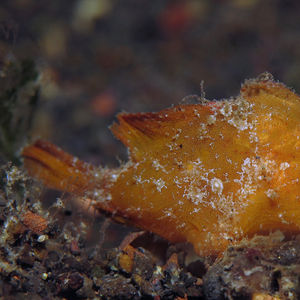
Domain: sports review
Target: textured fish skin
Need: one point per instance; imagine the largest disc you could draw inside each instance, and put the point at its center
(210, 174)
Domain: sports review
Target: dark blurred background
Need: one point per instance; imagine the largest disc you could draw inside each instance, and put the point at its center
(99, 57)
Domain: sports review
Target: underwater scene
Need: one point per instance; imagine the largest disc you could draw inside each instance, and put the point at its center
(150, 149)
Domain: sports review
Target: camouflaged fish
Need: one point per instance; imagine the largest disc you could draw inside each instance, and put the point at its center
(209, 174)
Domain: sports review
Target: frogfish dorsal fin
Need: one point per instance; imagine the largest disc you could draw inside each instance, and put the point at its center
(145, 134)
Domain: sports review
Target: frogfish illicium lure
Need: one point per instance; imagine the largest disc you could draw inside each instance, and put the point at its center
(210, 173)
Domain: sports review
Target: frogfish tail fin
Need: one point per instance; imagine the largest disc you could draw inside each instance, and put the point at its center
(58, 169)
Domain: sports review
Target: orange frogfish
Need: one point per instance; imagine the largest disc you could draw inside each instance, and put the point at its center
(210, 173)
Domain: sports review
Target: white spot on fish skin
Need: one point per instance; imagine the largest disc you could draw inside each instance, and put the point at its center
(114, 177)
(216, 185)
(211, 120)
(226, 109)
(284, 166)
(157, 166)
(202, 131)
(229, 160)
(282, 219)
(177, 135)
(196, 196)
(271, 194)
(160, 184)
(74, 161)
(182, 225)
(239, 123)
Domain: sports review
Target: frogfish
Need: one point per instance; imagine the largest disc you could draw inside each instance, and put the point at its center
(210, 173)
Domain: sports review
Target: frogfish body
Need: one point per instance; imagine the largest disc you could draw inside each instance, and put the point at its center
(210, 173)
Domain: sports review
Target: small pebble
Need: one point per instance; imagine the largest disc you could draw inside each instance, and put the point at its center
(42, 238)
